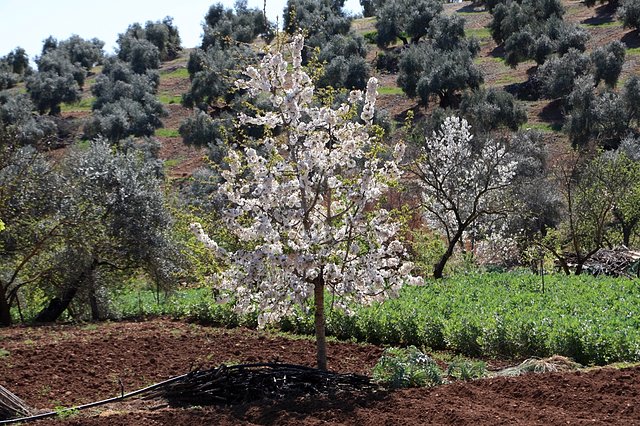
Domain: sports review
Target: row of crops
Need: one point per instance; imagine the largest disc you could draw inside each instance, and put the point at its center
(593, 320)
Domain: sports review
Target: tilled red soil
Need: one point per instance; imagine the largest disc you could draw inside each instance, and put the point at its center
(69, 365)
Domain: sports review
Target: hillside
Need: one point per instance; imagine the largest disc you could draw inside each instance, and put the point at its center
(544, 115)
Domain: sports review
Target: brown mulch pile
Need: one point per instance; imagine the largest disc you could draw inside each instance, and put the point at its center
(69, 365)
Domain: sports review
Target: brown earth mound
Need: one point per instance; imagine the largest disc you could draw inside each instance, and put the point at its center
(67, 365)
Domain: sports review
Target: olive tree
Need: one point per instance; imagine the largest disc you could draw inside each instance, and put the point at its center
(407, 20)
(604, 117)
(29, 190)
(607, 63)
(534, 29)
(302, 204)
(163, 35)
(488, 109)
(426, 70)
(224, 27)
(114, 221)
(57, 81)
(125, 103)
(629, 13)
(18, 119)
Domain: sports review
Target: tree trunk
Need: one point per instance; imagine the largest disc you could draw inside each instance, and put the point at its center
(321, 339)
(439, 267)
(58, 305)
(5, 310)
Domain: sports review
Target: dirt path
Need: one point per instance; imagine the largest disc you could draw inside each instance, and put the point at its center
(67, 365)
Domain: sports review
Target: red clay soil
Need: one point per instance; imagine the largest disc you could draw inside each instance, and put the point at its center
(67, 365)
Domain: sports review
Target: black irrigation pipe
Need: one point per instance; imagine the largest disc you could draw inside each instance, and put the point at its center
(92, 404)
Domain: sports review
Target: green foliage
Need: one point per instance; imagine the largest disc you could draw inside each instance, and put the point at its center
(607, 61)
(420, 77)
(461, 368)
(157, 41)
(224, 27)
(405, 368)
(590, 319)
(629, 13)
(125, 103)
(490, 109)
(405, 19)
(558, 75)
(370, 36)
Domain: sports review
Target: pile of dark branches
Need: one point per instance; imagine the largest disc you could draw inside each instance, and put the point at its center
(618, 262)
(237, 384)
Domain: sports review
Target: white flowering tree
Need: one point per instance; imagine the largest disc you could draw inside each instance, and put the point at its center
(461, 185)
(304, 203)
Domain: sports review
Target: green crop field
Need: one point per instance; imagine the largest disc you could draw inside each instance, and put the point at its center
(504, 315)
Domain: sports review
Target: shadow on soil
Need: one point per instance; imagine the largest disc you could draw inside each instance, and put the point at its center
(603, 14)
(269, 412)
(631, 39)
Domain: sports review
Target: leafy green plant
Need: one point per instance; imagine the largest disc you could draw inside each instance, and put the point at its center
(406, 367)
(462, 368)
(65, 413)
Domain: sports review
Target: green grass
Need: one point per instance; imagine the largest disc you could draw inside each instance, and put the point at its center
(634, 51)
(171, 163)
(167, 98)
(177, 73)
(479, 33)
(167, 133)
(4, 353)
(506, 79)
(493, 59)
(84, 105)
(610, 24)
(390, 90)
